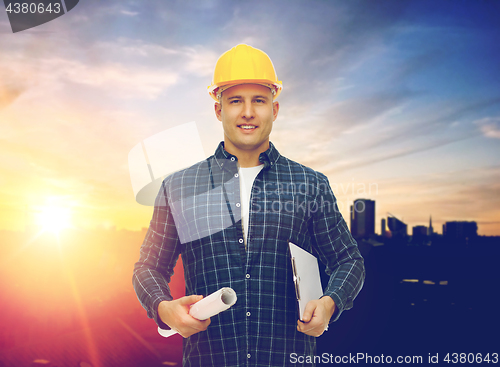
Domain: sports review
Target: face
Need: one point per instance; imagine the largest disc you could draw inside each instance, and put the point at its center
(247, 112)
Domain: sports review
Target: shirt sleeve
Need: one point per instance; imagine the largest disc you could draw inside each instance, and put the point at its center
(337, 249)
(158, 256)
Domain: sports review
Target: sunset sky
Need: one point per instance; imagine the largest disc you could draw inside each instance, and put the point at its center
(395, 101)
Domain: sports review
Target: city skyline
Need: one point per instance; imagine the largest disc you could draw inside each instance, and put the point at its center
(398, 104)
(41, 224)
(363, 221)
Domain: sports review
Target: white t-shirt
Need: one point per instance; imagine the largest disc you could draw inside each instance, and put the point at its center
(247, 177)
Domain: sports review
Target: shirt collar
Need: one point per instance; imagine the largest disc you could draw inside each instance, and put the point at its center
(269, 157)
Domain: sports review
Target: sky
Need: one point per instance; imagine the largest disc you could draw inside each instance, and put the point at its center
(394, 101)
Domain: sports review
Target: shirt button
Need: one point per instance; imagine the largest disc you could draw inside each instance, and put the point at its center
(247, 276)
(232, 158)
(248, 314)
(236, 175)
(238, 205)
(240, 240)
(248, 355)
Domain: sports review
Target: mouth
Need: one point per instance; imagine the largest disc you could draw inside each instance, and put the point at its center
(247, 127)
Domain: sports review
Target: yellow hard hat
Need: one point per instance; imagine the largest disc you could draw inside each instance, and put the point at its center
(244, 64)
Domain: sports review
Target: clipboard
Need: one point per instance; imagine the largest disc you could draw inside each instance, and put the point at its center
(305, 276)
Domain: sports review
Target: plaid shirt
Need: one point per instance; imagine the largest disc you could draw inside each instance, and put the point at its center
(198, 215)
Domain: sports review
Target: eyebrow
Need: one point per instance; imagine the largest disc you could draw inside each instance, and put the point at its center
(253, 97)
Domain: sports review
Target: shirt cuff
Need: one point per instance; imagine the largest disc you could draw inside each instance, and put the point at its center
(154, 312)
(339, 304)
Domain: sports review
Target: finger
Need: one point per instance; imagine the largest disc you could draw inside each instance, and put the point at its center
(189, 300)
(303, 327)
(193, 326)
(316, 333)
(309, 311)
(202, 325)
(313, 328)
(300, 326)
(312, 332)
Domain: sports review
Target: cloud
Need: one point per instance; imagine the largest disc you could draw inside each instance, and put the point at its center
(114, 78)
(366, 131)
(124, 68)
(341, 130)
(200, 61)
(399, 153)
(352, 114)
(9, 93)
(129, 13)
(489, 126)
(429, 122)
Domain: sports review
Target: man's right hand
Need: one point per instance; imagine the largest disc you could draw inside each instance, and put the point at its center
(176, 315)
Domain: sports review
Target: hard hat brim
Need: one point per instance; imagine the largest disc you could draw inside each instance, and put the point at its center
(278, 86)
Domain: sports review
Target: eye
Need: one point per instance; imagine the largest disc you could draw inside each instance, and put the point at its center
(260, 101)
(233, 101)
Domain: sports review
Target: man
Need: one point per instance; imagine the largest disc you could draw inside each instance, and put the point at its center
(231, 217)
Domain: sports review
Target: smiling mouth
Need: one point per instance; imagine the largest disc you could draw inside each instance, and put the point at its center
(247, 127)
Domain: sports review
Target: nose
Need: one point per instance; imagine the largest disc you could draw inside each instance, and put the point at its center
(248, 111)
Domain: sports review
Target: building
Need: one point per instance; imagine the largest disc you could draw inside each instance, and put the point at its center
(460, 230)
(430, 232)
(419, 231)
(363, 218)
(397, 227)
(383, 228)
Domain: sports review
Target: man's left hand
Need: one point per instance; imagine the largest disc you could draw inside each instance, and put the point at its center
(316, 316)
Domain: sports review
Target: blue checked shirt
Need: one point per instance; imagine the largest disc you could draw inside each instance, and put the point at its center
(198, 215)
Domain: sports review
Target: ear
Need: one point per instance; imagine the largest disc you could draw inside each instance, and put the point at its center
(218, 110)
(276, 108)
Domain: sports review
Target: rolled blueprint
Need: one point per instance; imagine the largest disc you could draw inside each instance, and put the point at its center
(207, 307)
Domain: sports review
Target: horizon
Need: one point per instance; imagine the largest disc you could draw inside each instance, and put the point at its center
(39, 229)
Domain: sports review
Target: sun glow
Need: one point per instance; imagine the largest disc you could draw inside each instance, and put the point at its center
(54, 219)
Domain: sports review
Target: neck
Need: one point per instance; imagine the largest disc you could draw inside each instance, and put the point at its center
(246, 158)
